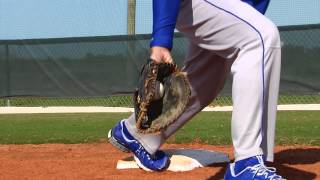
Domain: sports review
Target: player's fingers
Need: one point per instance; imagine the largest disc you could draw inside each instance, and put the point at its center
(168, 58)
(160, 55)
(156, 56)
(156, 59)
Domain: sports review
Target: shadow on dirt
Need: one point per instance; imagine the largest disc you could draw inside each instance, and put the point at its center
(283, 160)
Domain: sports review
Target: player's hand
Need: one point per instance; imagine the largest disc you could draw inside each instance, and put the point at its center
(160, 55)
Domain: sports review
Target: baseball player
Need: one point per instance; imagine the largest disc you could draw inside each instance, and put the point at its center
(225, 37)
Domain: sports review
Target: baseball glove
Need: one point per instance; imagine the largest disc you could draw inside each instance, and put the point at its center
(161, 96)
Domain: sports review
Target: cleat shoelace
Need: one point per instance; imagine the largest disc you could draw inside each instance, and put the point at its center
(267, 172)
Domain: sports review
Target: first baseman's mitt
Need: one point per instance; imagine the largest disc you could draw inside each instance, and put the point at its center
(161, 96)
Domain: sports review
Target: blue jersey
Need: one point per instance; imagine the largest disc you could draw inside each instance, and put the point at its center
(260, 5)
(165, 13)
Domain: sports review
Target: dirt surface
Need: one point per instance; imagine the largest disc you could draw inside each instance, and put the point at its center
(98, 161)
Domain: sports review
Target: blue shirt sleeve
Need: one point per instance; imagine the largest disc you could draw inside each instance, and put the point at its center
(165, 13)
(260, 5)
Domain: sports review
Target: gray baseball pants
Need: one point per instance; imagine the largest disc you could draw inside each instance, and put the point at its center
(229, 37)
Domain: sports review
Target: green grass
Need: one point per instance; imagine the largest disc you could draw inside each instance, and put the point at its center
(298, 127)
(206, 127)
(56, 128)
(293, 127)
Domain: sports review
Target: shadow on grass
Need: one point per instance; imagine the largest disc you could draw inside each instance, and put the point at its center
(282, 162)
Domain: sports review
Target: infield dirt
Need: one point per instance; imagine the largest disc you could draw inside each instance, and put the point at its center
(98, 161)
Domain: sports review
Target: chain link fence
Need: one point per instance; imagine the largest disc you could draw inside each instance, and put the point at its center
(300, 78)
(126, 101)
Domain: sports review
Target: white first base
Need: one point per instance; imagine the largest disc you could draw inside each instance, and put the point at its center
(183, 159)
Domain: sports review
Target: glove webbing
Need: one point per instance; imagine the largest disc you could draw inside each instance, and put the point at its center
(150, 81)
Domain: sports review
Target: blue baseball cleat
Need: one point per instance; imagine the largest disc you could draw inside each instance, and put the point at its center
(120, 137)
(251, 168)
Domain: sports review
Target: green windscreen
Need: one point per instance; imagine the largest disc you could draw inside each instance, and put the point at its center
(102, 66)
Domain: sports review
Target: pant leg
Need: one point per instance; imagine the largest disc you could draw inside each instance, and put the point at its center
(235, 30)
(272, 79)
(206, 73)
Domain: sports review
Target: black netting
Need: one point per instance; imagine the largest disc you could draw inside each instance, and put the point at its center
(300, 60)
(74, 67)
(102, 66)
(4, 69)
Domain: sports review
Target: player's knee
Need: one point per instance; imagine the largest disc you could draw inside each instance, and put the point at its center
(271, 35)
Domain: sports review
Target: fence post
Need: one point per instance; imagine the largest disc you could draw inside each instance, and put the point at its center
(131, 66)
(131, 19)
(8, 84)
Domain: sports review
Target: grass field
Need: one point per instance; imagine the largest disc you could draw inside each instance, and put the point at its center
(293, 127)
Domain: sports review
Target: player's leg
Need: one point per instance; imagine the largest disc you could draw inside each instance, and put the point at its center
(206, 73)
(232, 28)
(200, 66)
(256, 75)
(272, 79)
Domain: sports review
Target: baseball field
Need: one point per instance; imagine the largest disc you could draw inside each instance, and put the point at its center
(74, 146)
